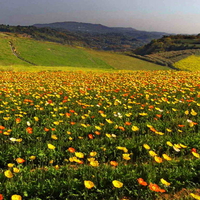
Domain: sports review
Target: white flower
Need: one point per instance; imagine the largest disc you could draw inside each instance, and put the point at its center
(28, 123)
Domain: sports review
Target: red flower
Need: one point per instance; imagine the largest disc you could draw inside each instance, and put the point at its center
(71, 149)
(194, 150)
(1, 197)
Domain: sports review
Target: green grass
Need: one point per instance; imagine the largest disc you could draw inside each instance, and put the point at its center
(64, 57)
(6, 56)
(52, 54)
(123, 62)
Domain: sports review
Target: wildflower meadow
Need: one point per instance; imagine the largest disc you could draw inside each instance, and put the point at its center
(99, 135)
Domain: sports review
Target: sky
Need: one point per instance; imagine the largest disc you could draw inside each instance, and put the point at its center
(170, 16)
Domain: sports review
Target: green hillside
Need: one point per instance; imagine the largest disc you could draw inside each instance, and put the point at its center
(6, 55)
(43, 53)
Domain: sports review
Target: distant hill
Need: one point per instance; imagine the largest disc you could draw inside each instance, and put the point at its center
(98, 36)
(85, 27)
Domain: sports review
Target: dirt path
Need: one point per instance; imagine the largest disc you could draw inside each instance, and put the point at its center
(17, 55)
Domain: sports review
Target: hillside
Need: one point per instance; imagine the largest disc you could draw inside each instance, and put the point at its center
(101, 37)
(169, 50)
(20, 50)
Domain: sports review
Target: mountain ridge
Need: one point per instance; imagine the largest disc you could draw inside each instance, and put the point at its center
(95, 28)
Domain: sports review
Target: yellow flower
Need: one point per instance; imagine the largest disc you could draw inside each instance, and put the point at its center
(117, 184)
(193, 113)
(108, 135)
(169, 130)
(50, 146)
(123, 149)
(19, 140)
(143, 114)
(146, 146)
(98, 128)
(79, 154)
(91, 159)
(6, 133)
(183, 146)
(177, 146)
(126, 156)
(158, 159)
(163, 181)
(169, 143)
(94, 163)
(109, 121)
(159, 133)
(54, 137)
(89, 184)
(195, 196)
(56, 123)
(32, 157)
(84, 125)
(16, 170)
(93, 153)
(135, 128)
(36, 119)
(152, 153)
(196, 154)
(187, 112)
(16, 197)
(10, 164)
(8, 174)
(166, 157)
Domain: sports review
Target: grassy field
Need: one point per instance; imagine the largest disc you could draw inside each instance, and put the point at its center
(82, 135)
(53, 55)
(191, 63)
(6, 56)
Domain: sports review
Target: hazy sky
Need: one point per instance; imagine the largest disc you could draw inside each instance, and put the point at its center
(171, 16)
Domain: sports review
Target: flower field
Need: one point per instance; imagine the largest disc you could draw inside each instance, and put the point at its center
(99, 135)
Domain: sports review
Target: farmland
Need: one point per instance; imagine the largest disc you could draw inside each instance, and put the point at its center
(99, 135)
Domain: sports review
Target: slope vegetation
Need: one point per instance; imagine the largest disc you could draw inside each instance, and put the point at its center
(191, 63)
(43, 53)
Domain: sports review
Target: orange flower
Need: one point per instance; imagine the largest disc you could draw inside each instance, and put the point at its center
(20, 160)
(127, 123)
(154, 187)
(97, 133)
(180, 125)
(2, 127)
(121, 128)
(18, 120)
(158, 115)
(29, 130)
(46, 129)
(142, 182)
(72, 123)
(71, 149)
(90, 136)
(114, 163)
